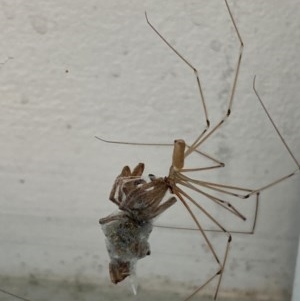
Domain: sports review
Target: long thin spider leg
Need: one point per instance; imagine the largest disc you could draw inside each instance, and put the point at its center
(133, 143)
(179, 193)
(201, 139)
(225, 204)
(274, 125)
(210, 279)
(208, 157)
(273, 183)
(13, 295)
(228, 206)
(199, 227)
(218, 165)
(214, 186)
(223, 265)
(193, 147)
(201, 168)
(198, 142)
(238, 62)
(187, 63)
(201, 208)
(250, 231)
(284, 143)
(201, 287)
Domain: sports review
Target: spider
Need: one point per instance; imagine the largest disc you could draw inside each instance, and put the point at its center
(127, 231)
(140, 201)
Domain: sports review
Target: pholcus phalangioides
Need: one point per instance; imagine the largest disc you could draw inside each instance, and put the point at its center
(140, 200)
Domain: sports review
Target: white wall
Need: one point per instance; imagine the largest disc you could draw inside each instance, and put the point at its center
(85, 68)
(296, 287)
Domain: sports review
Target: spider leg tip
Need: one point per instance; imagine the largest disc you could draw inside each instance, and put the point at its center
(146, 16)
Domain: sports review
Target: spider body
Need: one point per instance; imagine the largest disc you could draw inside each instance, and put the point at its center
(128, 230)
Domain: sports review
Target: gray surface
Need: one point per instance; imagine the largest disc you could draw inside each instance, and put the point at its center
(33, 289)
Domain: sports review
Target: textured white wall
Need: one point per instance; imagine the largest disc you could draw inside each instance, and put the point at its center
(296, 287)
(85, 68)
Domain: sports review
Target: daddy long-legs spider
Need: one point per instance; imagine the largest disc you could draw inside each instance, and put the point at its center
(271, 201)
(141, 200)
